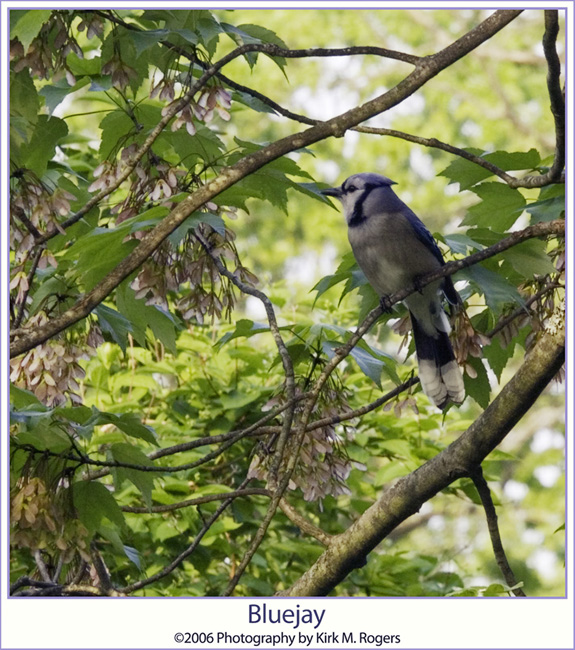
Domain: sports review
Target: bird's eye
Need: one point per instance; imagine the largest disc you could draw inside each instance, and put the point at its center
(352, 188)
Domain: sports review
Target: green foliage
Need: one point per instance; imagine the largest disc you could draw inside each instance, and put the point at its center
(131, 427)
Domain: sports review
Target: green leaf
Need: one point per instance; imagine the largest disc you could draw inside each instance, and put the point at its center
(497, 290)
(397, 447)
(55, 93)
(547, 209)
(254, 34)
(115, 126)
(343, 273)
(48, 132)
(252, 102)
(498, 356)
(244, 327)
(24, 100)
(530, 258)
(26, 25)
(478, 387)
(494, 590)
(205, 146)
(143, 40)
(130, 424)
(115, 324)
(499, 208)
(514, 161)
(144, 481)
(193, 221)
(21, 399)
(461, 243)
(368, 364)
(468, 173)
(141, 316)
(237, 399)
(45, 437)
(94, 501)
(86, 252)
(111, 534)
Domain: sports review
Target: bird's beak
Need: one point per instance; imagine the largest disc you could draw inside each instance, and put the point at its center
(332, 191)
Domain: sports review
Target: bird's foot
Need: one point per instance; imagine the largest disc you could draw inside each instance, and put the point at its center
(418, 283)
(385, 304)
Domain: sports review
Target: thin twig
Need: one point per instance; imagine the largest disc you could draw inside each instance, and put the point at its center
(491, 515)
(275, 50)
(25, 581)
(287, 363)
(208, 498)
(29, 279)
(42, 568)
(102, 572)
(523, 309)
(185, 554)
(555, 92)
(305, 525)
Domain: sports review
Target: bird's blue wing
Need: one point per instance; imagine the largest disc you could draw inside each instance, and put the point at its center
(424, 236)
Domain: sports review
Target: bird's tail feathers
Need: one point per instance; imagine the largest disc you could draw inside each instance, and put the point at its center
(439, 373)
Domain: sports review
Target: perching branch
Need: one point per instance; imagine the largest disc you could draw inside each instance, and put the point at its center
(425, 70)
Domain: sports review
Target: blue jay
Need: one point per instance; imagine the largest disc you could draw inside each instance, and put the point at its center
(393, 248)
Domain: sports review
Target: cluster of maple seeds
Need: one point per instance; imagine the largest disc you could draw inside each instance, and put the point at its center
(38, 522)
(51, 370)
(323, 466)
(45, 59)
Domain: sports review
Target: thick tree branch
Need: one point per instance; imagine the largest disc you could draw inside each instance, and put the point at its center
(405, 497)
(425, 70)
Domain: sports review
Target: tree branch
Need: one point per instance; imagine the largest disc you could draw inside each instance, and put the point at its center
(29, 279)
(304, 524)
(208, 498)
(555, 93)
(405, 497)
(425, 70)
(275, 50)
(491, 515)
(178, 560)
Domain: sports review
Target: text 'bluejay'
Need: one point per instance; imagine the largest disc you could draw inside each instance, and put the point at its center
(393, 248)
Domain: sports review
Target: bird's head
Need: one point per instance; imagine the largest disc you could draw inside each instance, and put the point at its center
(355, 190)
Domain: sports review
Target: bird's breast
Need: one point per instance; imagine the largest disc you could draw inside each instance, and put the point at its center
(389, 253)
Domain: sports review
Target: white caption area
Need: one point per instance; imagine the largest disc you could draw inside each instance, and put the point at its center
(160, 623)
